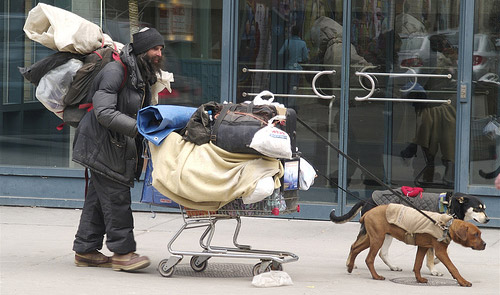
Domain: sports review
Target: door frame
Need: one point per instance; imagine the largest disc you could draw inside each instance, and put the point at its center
(464, 106)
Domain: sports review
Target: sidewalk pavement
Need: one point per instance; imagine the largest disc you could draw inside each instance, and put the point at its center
(36, 258)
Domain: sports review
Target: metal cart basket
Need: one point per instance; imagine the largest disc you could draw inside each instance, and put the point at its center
(282, 201)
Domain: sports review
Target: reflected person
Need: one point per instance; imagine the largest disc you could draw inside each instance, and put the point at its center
(294, 51)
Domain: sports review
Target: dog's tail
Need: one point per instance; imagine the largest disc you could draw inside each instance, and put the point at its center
(489, 175)
(349, 215)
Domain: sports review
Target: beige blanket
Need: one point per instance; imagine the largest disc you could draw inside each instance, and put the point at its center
(207, 177)
(413, 221)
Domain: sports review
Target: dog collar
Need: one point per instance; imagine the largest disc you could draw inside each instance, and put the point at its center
(446, 238)
(443, 203)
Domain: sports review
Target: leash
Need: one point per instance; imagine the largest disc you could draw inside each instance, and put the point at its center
(342, 189)
(367, 172)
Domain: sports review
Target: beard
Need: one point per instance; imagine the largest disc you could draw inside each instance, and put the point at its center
(149, 67)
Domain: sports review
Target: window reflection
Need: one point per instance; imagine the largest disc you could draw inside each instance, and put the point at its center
(192, 32)
(485, 113)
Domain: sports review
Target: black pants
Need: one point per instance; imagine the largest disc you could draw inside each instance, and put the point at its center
(106, 211)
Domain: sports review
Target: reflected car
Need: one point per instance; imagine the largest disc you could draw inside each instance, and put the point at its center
(485, 57)
(416, 52)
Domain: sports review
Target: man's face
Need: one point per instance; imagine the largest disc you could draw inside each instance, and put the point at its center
(154, 54)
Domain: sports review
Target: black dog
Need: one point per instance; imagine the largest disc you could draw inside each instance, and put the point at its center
(460, 206)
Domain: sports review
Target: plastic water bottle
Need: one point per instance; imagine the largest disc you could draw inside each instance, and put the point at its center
(277, 202)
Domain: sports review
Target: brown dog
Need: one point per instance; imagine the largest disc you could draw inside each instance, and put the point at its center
(377, 226)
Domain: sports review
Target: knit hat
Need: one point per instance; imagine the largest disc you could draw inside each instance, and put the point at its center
(146, 39)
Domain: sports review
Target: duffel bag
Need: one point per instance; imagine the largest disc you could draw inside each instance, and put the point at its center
(236, 125)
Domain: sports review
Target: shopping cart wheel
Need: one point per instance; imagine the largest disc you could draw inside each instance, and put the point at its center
(276, 266)
(198, 267)
(165, 272)
(257, 271)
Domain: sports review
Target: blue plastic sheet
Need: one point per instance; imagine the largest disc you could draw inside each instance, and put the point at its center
(157, 122)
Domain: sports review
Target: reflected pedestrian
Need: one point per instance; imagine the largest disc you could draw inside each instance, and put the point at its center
(294, 51)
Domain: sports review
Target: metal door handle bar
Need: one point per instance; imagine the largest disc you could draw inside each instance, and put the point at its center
(245, 70)
(317, 74)
(372, 89)
(245, 94)
(414, 75)
(314, 84)
(448, 76)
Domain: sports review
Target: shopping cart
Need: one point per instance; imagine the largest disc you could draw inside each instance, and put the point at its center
(284, 200)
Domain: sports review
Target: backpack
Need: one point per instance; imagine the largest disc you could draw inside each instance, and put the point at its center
(76, 101)
(36, 71)
(68, 99)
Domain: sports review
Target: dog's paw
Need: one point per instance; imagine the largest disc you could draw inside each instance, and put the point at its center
(395, 268)
(436, 273)
(422, 280)
(349, 268)
(465, 283)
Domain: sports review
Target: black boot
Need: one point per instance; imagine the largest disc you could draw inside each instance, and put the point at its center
(449, 173)
(409, 152)
(428, 174)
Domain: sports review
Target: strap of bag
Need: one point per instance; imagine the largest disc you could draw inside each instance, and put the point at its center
(218, 120)
(117, 58)
(90, 106)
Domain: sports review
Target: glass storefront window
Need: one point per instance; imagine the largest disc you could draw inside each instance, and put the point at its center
(402, 143)
(294, 35)
(282, 45)
(192, 31)
(406, 135)
(485, 110)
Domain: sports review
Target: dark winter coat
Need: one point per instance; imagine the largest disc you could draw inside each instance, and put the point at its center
(106, 140)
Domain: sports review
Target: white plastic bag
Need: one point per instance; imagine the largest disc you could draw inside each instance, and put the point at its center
(272, 279)
(272, 142)
(306, 175)
(492, 129)
(55, 84)
(259, 100)
(263, 189)
(163, 81)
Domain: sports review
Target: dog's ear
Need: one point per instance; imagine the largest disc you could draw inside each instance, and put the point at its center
(462, 233)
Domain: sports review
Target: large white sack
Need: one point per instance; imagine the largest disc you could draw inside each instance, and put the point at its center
(62, 30)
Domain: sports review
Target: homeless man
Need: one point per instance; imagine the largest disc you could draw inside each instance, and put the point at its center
(107, 143)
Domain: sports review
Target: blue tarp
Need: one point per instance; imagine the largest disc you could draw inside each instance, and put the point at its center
(157, 122)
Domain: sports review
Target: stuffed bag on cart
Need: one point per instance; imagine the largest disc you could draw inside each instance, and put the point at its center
(236, 124)
(253, 129)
